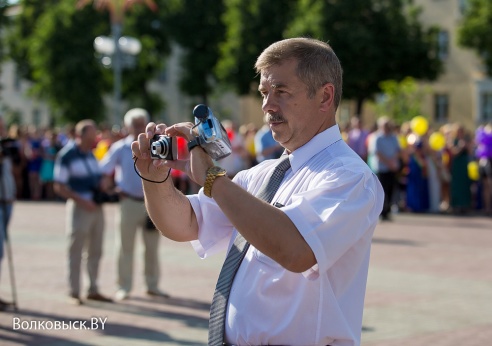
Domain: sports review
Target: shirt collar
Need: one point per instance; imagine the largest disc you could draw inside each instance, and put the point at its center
(322, 140)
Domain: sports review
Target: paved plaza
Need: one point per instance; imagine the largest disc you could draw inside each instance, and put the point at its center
(430, 283)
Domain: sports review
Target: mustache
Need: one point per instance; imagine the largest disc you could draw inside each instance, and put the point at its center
(275, 117)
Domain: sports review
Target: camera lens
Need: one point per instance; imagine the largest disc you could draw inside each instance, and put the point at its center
(160, 147)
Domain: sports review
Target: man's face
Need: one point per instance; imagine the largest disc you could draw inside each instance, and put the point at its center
(138, 126)
(90, 135)
(293, 117)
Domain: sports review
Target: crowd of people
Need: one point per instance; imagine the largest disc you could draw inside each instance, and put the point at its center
(457, 178)
(447, 170)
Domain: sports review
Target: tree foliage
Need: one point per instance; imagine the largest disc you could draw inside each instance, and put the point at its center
(375, 40)
(251, 26)
(61, 56)
(197, 28)
(51, 42)
(476, 30)
(401, 100)
(3, 22)
(152, 30)
(19, 32)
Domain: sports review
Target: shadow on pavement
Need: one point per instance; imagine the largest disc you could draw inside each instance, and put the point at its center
(189, 320)
(181, 302)
(395, 241)
(111, 329)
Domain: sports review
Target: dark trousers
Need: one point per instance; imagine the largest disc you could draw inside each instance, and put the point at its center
(388, 182)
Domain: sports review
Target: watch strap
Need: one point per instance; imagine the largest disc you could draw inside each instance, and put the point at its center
(212, 174)
(193, 143)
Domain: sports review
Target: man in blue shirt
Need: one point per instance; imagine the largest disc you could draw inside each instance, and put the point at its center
(386, 156)
(265, 146)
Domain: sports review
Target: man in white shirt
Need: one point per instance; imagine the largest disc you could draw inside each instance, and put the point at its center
(131, 214)
(302, 280)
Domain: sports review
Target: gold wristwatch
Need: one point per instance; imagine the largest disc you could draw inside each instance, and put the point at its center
(212, 174)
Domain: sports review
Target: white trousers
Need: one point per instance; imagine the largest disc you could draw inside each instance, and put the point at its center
(130, 217)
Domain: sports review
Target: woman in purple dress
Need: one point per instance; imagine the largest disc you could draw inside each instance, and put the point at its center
(483, 138)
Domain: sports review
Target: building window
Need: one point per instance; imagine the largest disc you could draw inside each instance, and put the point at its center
(17, 80)
(36, 117)
(443, 44)
(441, 108)
(486, 102)
(462, 6)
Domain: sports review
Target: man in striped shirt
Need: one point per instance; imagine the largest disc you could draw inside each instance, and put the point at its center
(76, 176)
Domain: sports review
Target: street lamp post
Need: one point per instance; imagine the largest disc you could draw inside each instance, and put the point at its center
(117, 52)
(117, 70)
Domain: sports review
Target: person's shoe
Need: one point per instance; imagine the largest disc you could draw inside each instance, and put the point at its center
(386, 217)
(121, 294)
(3, 302)
(157, 293)
(99, 297)
(74, 299)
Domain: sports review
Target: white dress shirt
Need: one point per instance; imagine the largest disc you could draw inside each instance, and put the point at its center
(334, 200)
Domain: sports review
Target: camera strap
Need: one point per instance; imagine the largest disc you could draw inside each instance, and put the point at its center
(87, 166)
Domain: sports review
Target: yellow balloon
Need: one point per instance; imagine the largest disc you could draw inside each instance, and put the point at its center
(403, 141)
(419, 125)
(437, 141)
(473, 170)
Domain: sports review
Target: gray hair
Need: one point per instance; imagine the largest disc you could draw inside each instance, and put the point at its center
(317, 63)
(136, 113)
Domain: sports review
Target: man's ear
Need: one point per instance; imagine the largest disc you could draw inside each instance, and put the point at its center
(327, 96)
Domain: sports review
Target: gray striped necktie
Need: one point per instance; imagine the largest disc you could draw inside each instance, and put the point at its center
(234, 258)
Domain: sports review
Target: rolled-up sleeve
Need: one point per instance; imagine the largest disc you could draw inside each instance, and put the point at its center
(333, 217)
(214, 229)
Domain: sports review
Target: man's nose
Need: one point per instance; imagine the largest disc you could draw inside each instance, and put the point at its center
(269, 104)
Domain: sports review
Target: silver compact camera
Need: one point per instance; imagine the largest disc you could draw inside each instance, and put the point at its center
(163, 147)
(212, 136)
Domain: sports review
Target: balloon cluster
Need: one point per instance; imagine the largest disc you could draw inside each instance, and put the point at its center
(419, 126)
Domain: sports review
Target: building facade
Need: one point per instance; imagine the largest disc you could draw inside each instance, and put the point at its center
(463, 93)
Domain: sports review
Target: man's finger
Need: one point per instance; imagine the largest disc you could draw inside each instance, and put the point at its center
(150, 130)
(144, 146)
(182, 130)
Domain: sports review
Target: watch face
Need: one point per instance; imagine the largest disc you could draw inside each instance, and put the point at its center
(218, 170)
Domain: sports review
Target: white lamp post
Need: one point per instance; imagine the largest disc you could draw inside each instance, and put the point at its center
(117, 52)
(118, 49)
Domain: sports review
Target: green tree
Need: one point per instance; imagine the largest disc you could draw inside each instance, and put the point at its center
(375, 40)
(476, 30)
(3, 22)
(152, 30)
(401, 100)
(20, 30)
(197, 28)
(52, 44)
(251, 26)
(61, 56)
